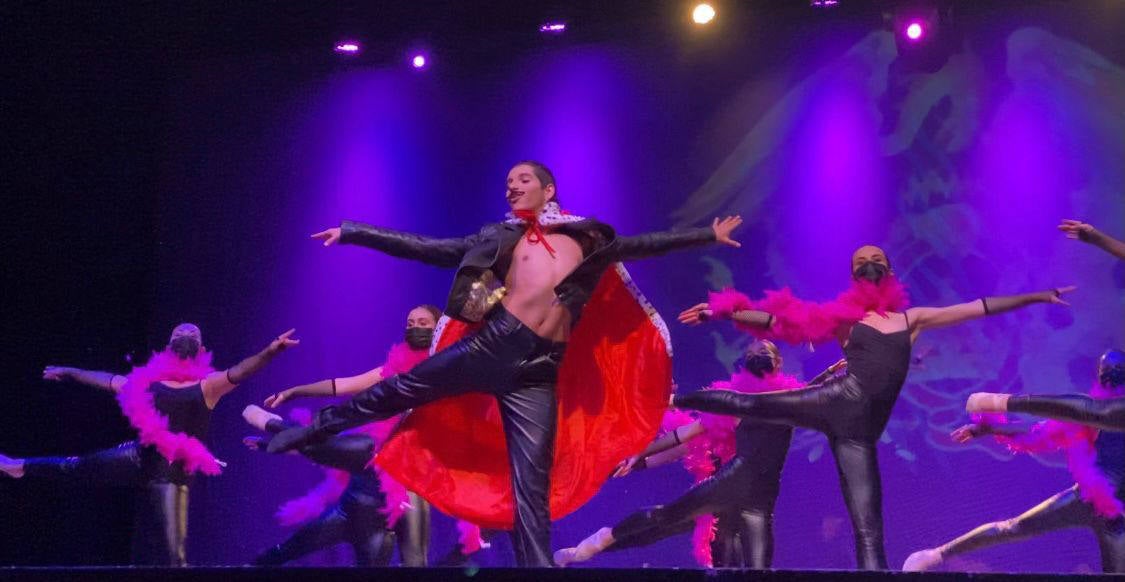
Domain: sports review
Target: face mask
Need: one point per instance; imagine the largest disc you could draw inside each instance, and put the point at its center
(184, 346)
(758, 364)
(419, 337)
(1112, 376)
(871, 272)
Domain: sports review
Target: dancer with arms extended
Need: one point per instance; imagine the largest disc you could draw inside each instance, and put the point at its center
(528, 280)
(169, 401)
(356, 503)
(877, 331)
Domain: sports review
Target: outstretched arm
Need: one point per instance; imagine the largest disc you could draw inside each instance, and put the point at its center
(218, 384)
(444, 252)
(658, 243)
(969, 432)
(1084, 232)
(102, 380)
(329, 387)
(923, 318)
(669, 440)
(1105, 414)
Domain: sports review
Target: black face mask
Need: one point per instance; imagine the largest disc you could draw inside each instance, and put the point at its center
(185, 347)
(419, 337)
(871, 272)
(758, 364)
(1112, 376)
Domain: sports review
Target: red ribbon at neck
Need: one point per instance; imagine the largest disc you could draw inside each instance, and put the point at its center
(535, 233)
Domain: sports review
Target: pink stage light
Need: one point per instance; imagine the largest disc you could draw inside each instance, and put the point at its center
(914, 30)
(347, 48)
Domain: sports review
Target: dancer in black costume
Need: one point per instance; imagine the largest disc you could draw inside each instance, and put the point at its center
(1095, 502)
(160, 532)
(356, 518)
(741, 493)
(854, 409)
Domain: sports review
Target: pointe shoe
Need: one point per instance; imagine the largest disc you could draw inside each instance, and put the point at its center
(587, 548)
(258, 417)
(11, 467)
(922, 561)
(987, 402)
(565, 556)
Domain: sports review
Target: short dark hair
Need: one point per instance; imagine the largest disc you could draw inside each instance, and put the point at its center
(545, 175)
(433, 309)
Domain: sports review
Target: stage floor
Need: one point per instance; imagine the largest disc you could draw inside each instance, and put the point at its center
(240, 574)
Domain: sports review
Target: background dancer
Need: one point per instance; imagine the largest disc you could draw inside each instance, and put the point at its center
(877, 332)
(1097, 461)
(737, 466)
(412, 532)
(169, 401)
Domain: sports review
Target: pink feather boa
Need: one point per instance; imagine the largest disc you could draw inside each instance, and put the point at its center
(401, 358)
(1077, 443)
(718, 441)
(798, 321)
(137, 404)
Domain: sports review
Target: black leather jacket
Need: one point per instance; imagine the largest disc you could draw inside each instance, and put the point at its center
(485, 257)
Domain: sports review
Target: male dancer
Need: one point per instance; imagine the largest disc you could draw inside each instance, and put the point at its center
(550, 265)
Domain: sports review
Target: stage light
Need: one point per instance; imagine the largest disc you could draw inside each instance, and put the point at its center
(703, 13)
(553, 27)
(347, 48)
(915, 30)
(823, 3)
(419, 61)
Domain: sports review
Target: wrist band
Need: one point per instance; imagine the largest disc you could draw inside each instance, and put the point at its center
(984, 302)
(333, 386)
(769, 322)
(676, 436)
(229, 379)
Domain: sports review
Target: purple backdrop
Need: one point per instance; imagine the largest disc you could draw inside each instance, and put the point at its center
(961, 173)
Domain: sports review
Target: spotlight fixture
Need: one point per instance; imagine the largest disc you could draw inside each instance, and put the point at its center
(419, 61)
(347, 48)
(553, 27)
(703, 13)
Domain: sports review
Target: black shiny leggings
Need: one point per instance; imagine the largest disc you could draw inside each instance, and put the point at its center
(745, 536)
(1105, 414)
(503, 358)
(840, 409)
(1063, 510)
(160, 527)
(357, 518)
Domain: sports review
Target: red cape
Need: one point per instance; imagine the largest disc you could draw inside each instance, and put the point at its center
(613, 389)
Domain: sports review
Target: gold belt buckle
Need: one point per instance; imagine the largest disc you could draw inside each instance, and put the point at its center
(484, 293)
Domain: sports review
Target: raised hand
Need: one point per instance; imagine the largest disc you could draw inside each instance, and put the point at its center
(1055, 295)
(696, 314)
(1078, 230)
(279, 398)
(57, 373)
(964, 434)
(328, 237)
(723, 229)
(284, 341)
(625, 467)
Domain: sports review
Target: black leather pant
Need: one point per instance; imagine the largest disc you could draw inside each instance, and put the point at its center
(745, 536)
(839, 409)
(503, 358)
(1063, 510)
(1105, 414)
(160, 528)
(358, 517)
